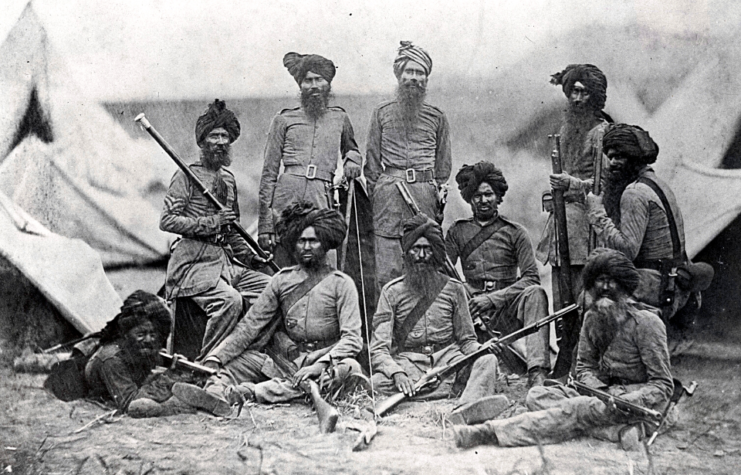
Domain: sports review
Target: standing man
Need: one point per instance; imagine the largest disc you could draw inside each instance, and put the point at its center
(584, 124)
(492, 249)
(317, 313)
(622, 350)
(408, 141)
(422, 321)
(640, 217)
(210, 263)
(307, 140)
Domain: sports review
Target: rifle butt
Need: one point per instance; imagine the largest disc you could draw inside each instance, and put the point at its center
(389, 403)
(325, 412)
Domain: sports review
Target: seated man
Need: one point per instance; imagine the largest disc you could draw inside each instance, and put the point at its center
(121, 368)
(622, 350)
(315, 308)
(422, 321)
(492, 249)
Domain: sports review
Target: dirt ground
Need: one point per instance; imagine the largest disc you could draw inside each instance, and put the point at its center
(42, 435)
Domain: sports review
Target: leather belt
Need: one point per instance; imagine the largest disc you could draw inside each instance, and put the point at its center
(310, 172)
(656, 264)
(427, 349)
(214, 239)
(575, 198)
(410, 174)
(309, 346)
(485, 285)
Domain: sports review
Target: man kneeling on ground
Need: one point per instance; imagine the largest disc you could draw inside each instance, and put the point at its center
(622, 350)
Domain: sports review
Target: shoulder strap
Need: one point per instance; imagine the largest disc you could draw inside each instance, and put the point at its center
(484, 234)
(676, 245)
(290, 299)
(422, 305)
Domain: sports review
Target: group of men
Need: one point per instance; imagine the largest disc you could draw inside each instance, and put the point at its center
(306, 322)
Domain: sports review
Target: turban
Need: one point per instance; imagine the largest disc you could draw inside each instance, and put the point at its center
(589, 75)
(470, 177)
(632, 142)
(614, 264)
(407, 52)
(217, 115)
(300, 64)
(329, 225)
(139, 307)
(421, 226)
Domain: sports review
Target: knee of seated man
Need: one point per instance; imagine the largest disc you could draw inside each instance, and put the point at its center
(488, 363)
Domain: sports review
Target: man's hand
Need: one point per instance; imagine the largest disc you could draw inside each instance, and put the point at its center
(560, 181)
(258, 261)
(211, 364)
(404, 384)
(266, 241)
(307, 372)
(351, 170)
(594, 202)
(226, 216)
(479, 305)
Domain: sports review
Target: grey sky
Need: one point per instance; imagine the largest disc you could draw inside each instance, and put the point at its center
(184, 49)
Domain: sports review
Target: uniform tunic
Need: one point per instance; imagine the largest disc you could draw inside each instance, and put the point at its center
(113, 373)
(298, 141)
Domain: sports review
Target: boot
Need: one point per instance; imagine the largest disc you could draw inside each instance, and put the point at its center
(471, 436)
(536, 376)
(476, 412)
(145, 407)
(201, 399)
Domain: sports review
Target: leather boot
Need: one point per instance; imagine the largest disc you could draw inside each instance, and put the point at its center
(471, 436)
(536, 376)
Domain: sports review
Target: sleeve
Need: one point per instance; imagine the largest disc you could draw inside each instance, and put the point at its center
(373, 168)
(176, 200)
(634, 214)
(348, 145)
(119, 383)
(443, 155)
(241, 250)
(452, 249)
(463, 329)
(587, 358)
(651, 342)
(348, 312)
(270, 169)
(381, 341)
(529, 274)
(258, 317)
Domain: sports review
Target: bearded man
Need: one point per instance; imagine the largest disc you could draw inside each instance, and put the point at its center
(210, 263)
(307, 140)
(492, 249)
(622, 350)
(640, 217)
(422, 321)
(315, 308)
(408, 141)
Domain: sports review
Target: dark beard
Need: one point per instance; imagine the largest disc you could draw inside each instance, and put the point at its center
(420, 277)
(217, 156)
(317, 261)
(134, 354)
(411, 97)
(604, 315)
(615, 183)
(315, 106)
(577, 123)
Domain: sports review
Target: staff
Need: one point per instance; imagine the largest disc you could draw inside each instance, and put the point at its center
(207, 193)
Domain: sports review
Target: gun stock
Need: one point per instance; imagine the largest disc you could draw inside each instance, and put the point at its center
(180, 361)
(201, 187)
(325, 412)
(628, 407)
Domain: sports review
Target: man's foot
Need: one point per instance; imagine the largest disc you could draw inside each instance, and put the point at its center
(479, 411)
(630, 438)
(471, 436)
(201, 399)
(536, 376)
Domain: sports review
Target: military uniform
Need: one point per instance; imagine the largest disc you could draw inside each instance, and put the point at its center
(328, 316)
(491, 269)
(442, 335)
(201, 265)
(420, 157)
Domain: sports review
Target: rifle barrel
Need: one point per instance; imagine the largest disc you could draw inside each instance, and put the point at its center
(141, 118)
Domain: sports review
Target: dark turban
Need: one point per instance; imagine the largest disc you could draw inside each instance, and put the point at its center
(407, 52)
(421, 226)
(631, 141)
(589, 75)
(470, 177)
(217, 115)
(139, 307)
(614, 264)
(329, 225)
(300, 64)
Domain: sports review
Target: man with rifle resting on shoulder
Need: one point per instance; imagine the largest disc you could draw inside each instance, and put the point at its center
(211, 263)
(310, 313)
(422, 322)
(622, 351)
(492, 249)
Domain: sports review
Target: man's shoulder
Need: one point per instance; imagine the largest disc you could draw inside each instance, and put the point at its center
(393, 285)
(513, 224)
(337, 109)
(108, 351)
(462, 223)
(385, 104)
(647, 318)
(433, 109)
(288, 111)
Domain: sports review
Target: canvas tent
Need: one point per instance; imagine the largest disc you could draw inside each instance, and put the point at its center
(66, 162)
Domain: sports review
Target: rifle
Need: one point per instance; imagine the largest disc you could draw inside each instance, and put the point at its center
(414, 208)
(567, 330)
(180, 361)
(634, 410)
(326, 414)
(596, 190)
(679, 391)
(434, 374)
(198, 184)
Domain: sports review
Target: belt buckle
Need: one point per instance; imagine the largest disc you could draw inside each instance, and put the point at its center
(410, 175)
(427, 349)
(311, 172)
(310, 346)
(489, 285)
